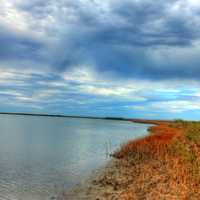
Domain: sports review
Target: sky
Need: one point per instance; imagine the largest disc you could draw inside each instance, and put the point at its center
(130, 58)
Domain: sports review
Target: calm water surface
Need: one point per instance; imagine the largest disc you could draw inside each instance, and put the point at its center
(42, 156)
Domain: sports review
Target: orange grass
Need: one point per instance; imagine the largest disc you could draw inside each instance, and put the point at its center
(163, 165)
(161, 135)
(164, 149)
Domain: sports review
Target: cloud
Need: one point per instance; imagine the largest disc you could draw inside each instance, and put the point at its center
(88, 81)
(178, 106)
(82, 54)
(84, 85)
(139, 39)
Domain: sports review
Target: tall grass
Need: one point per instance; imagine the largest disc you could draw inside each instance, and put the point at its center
(172, 149)
(188, 147)
(176, 140)
(151, 145)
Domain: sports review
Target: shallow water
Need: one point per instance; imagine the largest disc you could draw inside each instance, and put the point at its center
(42, 156)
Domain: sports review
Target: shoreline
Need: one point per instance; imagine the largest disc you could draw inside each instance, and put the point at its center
(146, 168)
(82, 190)
(87, 189)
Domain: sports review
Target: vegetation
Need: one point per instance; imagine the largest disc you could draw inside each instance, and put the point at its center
(163, 165)
(188, 147)
(173, 147)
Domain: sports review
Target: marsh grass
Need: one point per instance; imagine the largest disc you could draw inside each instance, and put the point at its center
(163, 165)
(149, 146)
(191, 130)
(188, 147)
(175, 148)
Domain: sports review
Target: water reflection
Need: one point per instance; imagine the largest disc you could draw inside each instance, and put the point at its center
(41, 155)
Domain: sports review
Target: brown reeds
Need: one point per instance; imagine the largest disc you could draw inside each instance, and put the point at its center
(164, 165)
(159, 164)
(154, 144)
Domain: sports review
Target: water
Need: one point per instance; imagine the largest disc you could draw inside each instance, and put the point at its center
(42, 156)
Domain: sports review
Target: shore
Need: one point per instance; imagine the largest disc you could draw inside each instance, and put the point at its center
(163, 165)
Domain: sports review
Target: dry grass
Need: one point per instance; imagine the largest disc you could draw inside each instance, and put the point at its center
(165, 164)
(152, 145)
(162, 166)
(188, 147)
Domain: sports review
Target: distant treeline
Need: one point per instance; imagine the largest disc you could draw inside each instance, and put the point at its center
(115, 118)
(60, 115)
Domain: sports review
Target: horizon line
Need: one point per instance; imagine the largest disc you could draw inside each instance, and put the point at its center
(61, 115)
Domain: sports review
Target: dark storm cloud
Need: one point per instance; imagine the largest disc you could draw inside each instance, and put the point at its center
(16, 47)
(120, 40)
(123, 37)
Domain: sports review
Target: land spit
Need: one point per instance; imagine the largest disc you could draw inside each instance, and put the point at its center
(165, 165)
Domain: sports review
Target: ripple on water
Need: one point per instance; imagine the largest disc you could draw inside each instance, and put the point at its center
(41, 156)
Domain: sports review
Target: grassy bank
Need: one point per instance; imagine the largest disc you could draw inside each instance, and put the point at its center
(163, 165)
